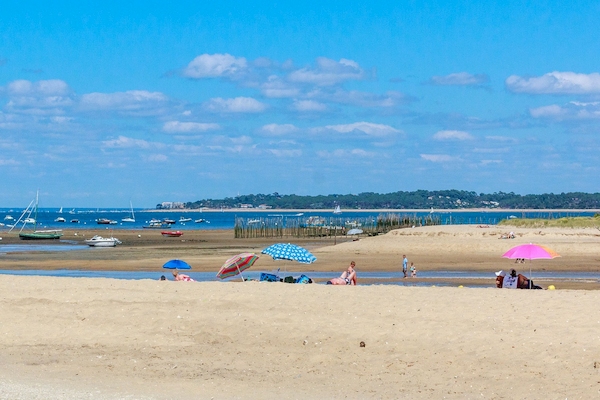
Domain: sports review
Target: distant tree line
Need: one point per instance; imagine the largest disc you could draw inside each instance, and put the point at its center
(420, 199)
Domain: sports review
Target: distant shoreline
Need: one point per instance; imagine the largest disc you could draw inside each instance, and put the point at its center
(384, 210)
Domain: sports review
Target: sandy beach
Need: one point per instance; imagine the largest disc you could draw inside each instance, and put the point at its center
(434, 248)
(73, 338)
(112, 339)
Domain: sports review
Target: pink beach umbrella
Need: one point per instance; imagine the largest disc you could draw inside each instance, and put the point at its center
(530, 252)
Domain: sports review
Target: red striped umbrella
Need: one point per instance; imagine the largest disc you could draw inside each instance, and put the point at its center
(236, 264)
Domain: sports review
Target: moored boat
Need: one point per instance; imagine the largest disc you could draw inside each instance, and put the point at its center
(171, 233)
(60, 219)
(183, 219)
(157, 225)
(106, 221)
(35, 234)
(41, 235)
(99, 241)
(132, 217)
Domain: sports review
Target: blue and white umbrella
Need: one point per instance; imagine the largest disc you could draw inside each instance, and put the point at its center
(287, 251)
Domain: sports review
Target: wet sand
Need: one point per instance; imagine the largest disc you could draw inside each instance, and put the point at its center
(455, 247)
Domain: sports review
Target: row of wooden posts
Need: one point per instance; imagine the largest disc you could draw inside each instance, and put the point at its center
(303, 227)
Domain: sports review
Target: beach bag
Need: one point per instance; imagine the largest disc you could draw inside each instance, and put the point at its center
(288, 279)
(264, 277)
(303, 279)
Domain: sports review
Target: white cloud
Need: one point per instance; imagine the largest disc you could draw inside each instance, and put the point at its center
(275, 87)
(308, 106)
(41, 97)
(368, 128)
(157, 158)
(10, 162)
(123, 142)
(189, 127)
(459, 79)
(438, 158)
(278, 129)
(129, 101)
(285, 153)
(487, 162)
(328, 72)
(342, 153)
(501, 138)
(573, 110)
(551, 111)
(215, 65)
(452, 135)
(235, 105)
(555, 83)
(52, 87)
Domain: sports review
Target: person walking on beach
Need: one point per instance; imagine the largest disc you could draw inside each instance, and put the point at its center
(404, 265)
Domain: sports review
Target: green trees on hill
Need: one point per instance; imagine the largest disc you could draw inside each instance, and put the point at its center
(420, 199)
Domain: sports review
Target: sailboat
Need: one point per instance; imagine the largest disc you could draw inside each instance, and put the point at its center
(129, 219)
(36, 235)
(337, 210)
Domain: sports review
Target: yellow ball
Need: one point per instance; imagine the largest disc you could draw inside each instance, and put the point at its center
(551, 287)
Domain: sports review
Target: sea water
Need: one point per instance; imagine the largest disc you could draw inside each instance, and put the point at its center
(226, 220)
(426, 278)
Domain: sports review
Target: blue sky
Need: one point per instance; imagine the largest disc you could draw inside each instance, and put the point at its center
(152, 102)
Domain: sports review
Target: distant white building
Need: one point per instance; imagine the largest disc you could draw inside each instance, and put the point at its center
(246, 206)
(264, 207)
(168, 205)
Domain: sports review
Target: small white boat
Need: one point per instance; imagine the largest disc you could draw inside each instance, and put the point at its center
(29, 220)
(129, 219)
(183, 219)
(201, 220)
(99, 241)
(9, 218)
(60, 219)
(337, 210)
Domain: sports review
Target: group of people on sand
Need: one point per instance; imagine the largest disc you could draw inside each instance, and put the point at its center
(178, 277)
(405, 270)
(510, 235)
(348, 277)
(514, 281)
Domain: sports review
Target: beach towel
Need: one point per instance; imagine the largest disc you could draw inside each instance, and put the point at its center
(303, 279)
(264, 277)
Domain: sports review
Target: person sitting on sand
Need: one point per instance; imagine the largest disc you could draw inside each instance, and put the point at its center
(348, 277)
(181, 277)
(500, 278)
(524, 283)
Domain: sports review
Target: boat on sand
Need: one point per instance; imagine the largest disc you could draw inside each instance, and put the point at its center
(171, 233)
(99, 241)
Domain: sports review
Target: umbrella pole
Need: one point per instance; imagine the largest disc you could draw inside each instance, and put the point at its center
(239, 272)
(530, 276)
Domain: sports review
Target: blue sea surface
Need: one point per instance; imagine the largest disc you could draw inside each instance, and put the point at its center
(226, 219)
